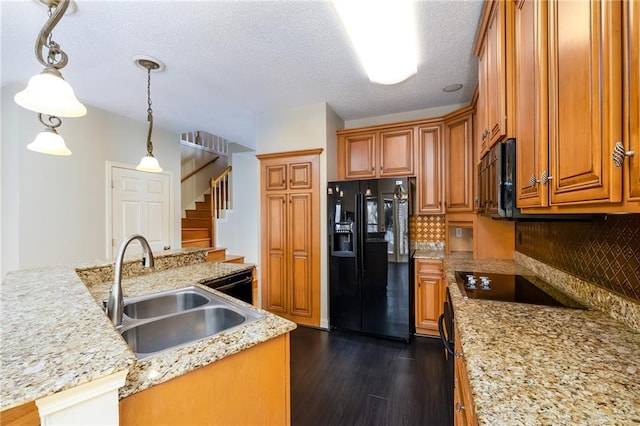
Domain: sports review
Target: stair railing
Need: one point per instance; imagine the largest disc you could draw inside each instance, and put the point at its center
(220, 198)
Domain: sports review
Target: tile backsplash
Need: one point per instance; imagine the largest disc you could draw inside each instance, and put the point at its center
(605, 253)
(427, 228)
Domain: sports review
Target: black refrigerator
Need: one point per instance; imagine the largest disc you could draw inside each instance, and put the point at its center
(370, 285)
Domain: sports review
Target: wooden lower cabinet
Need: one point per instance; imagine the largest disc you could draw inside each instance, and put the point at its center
(22, 415)
(429, 295)
(464, 413)
(250, 387)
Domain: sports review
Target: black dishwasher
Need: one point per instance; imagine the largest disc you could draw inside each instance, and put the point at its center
(238, 285)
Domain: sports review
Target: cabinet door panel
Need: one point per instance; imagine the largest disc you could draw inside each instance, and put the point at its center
(396, 152)
(585, 100)
(300, 175)
(300, 214)
(360, 156)
(428, 302)
(458, 164)
(276, 176)
(632, 92)
(496, 74)
(430, 170)
(276, 217)
(483, 96)
(531, 101)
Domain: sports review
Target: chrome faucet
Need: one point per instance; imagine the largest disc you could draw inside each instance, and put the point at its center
(115, 303)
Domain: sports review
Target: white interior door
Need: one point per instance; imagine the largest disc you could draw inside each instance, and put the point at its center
(140, 204)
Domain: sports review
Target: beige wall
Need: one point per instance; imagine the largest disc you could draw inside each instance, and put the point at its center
(54, 208)
(307, 127)
(401, 116)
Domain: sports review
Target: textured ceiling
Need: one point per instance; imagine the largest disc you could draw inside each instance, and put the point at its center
(229, 61)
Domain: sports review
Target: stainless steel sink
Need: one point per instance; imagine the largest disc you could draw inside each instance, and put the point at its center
(161, 321)
(165, 303)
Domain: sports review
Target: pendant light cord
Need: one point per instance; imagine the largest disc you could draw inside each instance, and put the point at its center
(149, 114)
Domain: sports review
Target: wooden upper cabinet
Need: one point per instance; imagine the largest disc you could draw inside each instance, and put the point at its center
(531, 101)
(396, 154)
(585, 100)
(459, 164)
(367, 154)
(492, 73)
(430, 170)
(632, 98)
(360, 155)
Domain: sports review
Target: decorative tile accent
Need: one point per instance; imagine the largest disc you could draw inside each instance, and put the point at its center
(606, 253)
(429, 228)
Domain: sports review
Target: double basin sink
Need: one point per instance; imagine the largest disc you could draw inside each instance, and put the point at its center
(157, 322)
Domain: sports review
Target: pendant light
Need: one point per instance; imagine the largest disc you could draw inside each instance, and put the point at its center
(48, 93)
(149, 163)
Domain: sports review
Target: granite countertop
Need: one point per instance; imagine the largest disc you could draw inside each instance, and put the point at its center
(530, 365)
(55, 335)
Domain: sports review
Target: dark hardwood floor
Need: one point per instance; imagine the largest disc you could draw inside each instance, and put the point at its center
(346, 379)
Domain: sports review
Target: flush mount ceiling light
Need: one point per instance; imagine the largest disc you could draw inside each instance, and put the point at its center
(384, 36)
(452, 88)
(149, 163)
(48, 93)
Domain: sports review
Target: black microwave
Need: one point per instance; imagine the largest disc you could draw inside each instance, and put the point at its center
(497, 187)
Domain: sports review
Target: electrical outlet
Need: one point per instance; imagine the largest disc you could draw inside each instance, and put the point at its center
(458, 232)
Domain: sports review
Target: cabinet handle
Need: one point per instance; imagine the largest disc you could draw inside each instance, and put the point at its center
(544, 179)
(458, 354)
(459, 407)
(619, 153)
(373, 169)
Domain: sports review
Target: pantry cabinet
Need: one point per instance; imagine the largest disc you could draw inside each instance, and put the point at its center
(430, 185)
(290, 219)
(430, 294)
(376, 153)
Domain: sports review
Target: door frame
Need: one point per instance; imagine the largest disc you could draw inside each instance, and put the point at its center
(109, 166)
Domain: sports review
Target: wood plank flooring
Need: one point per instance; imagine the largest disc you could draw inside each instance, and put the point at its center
(346, 379)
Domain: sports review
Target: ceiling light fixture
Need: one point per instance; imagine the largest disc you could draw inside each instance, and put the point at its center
(48, 93)
(384, 36)
(149, 163)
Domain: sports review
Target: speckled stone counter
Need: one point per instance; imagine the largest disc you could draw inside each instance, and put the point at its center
(539, 365)
(55, 335)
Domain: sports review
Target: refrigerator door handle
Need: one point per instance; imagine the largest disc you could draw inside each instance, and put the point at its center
(360, 229)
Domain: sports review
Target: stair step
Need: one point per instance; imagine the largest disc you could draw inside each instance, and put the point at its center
(198, 214)
(217, 254)
(195, 233)
(203, 205)
(198, 242)
(233, 258)
(196, 223)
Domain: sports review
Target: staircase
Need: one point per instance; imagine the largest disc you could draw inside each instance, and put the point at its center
(199, 224)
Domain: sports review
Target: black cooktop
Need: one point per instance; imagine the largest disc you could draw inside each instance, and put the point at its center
(511, 288)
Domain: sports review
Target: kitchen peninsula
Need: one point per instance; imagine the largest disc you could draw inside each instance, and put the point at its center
(56, 337)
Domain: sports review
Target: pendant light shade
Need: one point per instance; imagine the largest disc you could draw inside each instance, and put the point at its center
(49, 142)
(49, 93)
(149, 164)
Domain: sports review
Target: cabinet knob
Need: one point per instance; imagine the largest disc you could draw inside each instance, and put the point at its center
(619, 153)
(458, 354)
(459, 407)
(533, 181)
